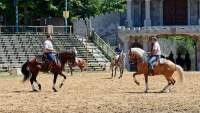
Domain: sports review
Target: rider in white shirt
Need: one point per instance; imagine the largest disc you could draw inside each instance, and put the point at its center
(154, 54)
(49, 51)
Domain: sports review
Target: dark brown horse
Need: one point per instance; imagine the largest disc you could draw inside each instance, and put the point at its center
(31, 68)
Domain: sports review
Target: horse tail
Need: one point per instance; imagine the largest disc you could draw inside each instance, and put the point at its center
(180, 72)
(25, 71)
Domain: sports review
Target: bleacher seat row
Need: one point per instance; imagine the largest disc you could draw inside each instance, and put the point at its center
(15, 49)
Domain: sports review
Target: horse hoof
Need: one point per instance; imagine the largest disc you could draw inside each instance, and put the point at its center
(39, 87)
(55, 90)
(164, 91)
(34, 90)
(61, 85)
(137, 83)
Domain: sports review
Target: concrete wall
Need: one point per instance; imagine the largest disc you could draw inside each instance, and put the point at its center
(103, 24)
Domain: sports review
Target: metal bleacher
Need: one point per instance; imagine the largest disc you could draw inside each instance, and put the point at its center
(15, 49)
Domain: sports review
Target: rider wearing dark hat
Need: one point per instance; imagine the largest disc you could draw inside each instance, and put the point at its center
(118, 51)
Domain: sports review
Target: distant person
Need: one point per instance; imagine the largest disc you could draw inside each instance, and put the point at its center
(180, 60)
(118, 51)
(187, 61)
(171, 57)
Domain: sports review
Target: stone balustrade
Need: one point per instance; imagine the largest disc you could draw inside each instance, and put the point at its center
(195, 30)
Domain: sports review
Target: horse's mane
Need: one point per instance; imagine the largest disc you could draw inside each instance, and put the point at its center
(67, 52)
(140, 52)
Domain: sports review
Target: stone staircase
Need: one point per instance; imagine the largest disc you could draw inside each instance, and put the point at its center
(15, 49)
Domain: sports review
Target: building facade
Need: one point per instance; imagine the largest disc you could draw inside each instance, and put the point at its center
(146, 18)
(163, 12)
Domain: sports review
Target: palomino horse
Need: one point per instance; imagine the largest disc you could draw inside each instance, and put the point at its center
(118, 62)
(162, 67)
(81, 63)
(31, 68)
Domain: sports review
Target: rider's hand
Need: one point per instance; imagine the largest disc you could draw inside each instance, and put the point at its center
(53, 51)
(149, 53)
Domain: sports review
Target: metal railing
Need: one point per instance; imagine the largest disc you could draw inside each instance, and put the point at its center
(161, 29)
(104, 47)
(36, 29)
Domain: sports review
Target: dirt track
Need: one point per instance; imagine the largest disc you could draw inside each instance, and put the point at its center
(96, 93)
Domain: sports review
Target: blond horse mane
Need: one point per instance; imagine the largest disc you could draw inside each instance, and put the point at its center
(141, 53)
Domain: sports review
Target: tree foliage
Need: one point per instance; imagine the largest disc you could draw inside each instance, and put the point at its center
(31, 10)
(84, 8)
(113, 6)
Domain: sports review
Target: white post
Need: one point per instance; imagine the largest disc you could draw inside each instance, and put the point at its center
(126, 47)
(129, 15)
(147, 21)
(145, 43)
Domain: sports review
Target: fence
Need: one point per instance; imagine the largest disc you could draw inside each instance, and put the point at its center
(105, 48)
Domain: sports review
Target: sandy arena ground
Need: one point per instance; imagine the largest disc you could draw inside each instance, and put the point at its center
(97, 93)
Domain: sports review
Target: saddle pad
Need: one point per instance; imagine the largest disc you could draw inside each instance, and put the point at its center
(162, 60)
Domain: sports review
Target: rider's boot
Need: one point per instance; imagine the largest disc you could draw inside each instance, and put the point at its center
(51, 65)
(150, 72)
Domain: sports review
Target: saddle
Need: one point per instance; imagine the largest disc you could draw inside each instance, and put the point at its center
(47, 63)
(44, 58)
(160, 61)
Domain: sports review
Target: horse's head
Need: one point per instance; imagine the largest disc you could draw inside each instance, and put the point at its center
(83, 64)
(132, 56)
(80, 62)
(137, 55)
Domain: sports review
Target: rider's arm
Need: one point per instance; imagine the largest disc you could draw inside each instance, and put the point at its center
(50, 50)
(47, 48)
(155, 49)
